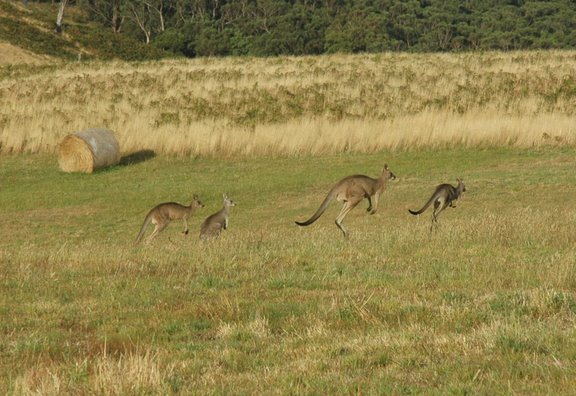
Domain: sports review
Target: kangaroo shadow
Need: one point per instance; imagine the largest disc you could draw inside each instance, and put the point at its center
(137, 157)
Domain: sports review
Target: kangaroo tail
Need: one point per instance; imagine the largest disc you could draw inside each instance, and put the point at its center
(417, 212)
(143, 228)
(320, 210)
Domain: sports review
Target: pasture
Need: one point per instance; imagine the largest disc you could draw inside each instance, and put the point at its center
(486, 304)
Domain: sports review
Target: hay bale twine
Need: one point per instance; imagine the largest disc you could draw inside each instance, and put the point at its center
(88, 150)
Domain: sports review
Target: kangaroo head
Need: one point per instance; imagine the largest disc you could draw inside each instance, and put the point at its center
(461, 185)
(196, 203)
(227, 201)
(387, 173)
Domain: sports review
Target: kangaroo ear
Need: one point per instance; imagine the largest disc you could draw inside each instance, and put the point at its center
(386, 166)
(224, 196)
(195, 196)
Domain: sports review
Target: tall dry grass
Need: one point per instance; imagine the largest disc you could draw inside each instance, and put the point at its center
(129, 373)
(291, 106)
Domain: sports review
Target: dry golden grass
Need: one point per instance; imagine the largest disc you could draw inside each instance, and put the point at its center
(129, 373)
(12, 55)
(289, 106)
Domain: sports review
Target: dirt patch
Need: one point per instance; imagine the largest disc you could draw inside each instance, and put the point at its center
(12, 55)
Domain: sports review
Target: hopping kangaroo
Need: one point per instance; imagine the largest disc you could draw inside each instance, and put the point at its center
(162, 214)
(218, 221)
(352, 190)
(443, 196)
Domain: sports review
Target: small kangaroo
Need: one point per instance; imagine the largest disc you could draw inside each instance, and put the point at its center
(218, 221)
(161, 215)
(444, 195)
(352, 190)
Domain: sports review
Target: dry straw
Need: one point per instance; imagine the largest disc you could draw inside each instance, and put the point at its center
(234, 107)
(88, 150)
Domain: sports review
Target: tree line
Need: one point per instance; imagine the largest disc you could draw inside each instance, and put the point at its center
(310, 27)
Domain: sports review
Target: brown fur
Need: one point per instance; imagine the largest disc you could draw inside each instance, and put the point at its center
(215, 223)
(162, 214)
(444, 195)
(352, 190)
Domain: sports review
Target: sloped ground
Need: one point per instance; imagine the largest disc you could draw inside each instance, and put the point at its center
(31, 30)
(12, 55)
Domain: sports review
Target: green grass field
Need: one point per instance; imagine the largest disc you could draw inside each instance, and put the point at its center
(484, 305)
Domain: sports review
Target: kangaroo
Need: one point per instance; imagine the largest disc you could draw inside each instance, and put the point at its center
(444, 195)
(218, 221)
(161, 215)
(352, 190)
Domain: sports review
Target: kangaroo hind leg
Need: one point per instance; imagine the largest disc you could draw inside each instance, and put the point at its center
(439, 206)
(158, 227)
(435, 212)
(348, 206)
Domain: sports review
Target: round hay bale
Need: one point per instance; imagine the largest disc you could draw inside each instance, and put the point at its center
(88, 150)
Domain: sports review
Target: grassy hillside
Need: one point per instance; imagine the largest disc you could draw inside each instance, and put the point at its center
(238, 107)
(485, 305)
(31, 28)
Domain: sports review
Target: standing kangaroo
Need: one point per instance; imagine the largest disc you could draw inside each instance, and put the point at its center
(352, 190)
(443, 196)
(218, 221)
(162, 214)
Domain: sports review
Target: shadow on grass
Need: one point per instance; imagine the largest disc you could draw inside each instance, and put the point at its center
(137, 157)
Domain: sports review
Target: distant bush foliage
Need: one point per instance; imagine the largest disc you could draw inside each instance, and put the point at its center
(137, 29)
(307, 27)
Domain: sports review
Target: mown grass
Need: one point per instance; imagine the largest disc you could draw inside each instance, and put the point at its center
(485, 305)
